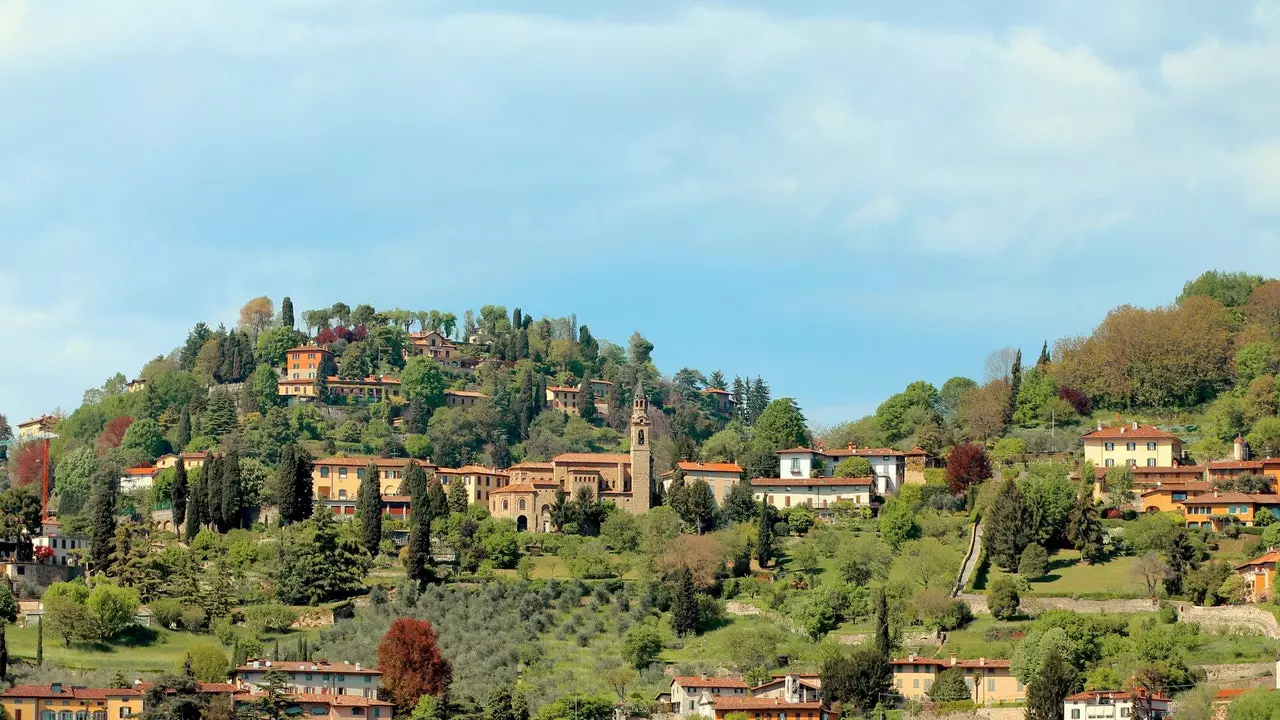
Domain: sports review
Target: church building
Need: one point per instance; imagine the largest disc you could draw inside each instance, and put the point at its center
(625, 479)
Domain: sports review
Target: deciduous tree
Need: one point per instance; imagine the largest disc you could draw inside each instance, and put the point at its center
(967, 465)
(411, 664)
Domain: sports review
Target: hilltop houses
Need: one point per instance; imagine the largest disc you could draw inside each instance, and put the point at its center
(1132, 445)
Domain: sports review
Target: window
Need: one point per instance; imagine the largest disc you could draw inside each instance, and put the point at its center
(795, 466)
(342, 473)
(1151, 446)
(359, 473)
(1109, 446)
(915, 683)
(1124, 712)
(324, 472)
(1131, 446)
(1110, 463)
(342, 494)
(357, 711)
(991, 685)
(1151, 462)
(1075, 713)
(1131, 463)
(504, 504)
(788, 501)
(1179, 496)
(126, 711)
(521, 503)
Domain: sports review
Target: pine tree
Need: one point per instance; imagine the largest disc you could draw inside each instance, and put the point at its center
(880, 610)
(561, 510)
(1015, 384)
(1084, 529)
(286, 499)
(286, 312)
(717, 381)
(182, 431)
(303, 489)
(740, 398)
(1006, 532)
(437, 501)
(1050, 686)
(764, 536)
(419, 557)
(457, 497)
(758, 398)
(369, 510)
(211, 478)
(231, 489)
(684, 604)
(178, 492)
(1044, 356)
(587, 401)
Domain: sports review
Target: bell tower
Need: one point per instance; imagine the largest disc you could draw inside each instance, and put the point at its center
(641, 457)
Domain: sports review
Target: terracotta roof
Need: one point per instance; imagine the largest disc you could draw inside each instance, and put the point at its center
(691, 681)
(915, 451)
(514, 488)
(307, 348)
(1236, 465)
(1232, 497)
(371, 380)
(561, 388)
(1270, 557)
(1190, 487)
(363, 460)
(296, 381)
(396, 498)
(1168, 469)
(709, 467)
(1112, 432)
(139, 471)
(309, 666)
(852, 450)
(763, 703)
(716, 391)
(205, 687)
(466, 393)
(598, 458)
(953, 662)
(1232, 693)
(1094, 695)
(472, 470)
(532, 466)
(812, 482)
(46, 691)
(338, 700)
(34, 421)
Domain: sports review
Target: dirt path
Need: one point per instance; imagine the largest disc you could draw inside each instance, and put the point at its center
(970, 560)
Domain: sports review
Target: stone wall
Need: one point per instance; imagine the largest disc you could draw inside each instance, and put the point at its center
(1241, 619)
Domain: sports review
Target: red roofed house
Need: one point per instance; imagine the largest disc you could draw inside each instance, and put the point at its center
(1133, 445)
(35, 427)
(136, 478)
(1115, 705)
(888, 466)
(1259, 577)
(771, 708)
(819, 493)
(720, 476)
(63, 702)
(477, 479)
(189, 460)
(335, 481)
(463, 398)
(721, 398)
(694, 695)
(318, 677)
(990, 681)
(1217, 509)
(791, 687)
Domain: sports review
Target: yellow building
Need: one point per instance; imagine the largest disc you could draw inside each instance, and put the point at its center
(1133, 445)
(990, 681)
(477, 479)
(63, 702)
(463, 398)
(818, 493)
(1169, 497)
(36, 427)
(1218, 509)
(338, 478)
(189, 460)
(720, 476)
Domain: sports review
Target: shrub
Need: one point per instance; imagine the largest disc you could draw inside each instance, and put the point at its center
(272, 617)
(1034, 562)
(1002, 598)
(167, 611)
(208, 662)
(113, 608)
(193, 619)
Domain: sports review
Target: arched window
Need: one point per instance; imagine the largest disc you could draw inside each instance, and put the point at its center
(639, 437)
(504, 504)
(65, 715)
(521, 503)
(46, 715)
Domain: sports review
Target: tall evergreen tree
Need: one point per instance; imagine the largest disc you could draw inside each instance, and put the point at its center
(1049, 687)
(561, 510)
(102, 519)
(231, 503)
(764, 535)
(369, 510)
(587, 401)
(182, 433)
(457, 497)
(717, 381)
(196, 506)
(758, 398)
(303, 489)
(40, 641)
(211, 475)
(880, 609)
(178, 492)
(414, 483)
(1015, 384)
(437, 500)
(684, 604)
(1084, 529)
(1044, 356)
(1006, 532)
(286, 503)
(740, 503)
(419, 556)
(286, 312)
(740, 405)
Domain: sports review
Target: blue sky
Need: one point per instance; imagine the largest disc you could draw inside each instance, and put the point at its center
(841, 197)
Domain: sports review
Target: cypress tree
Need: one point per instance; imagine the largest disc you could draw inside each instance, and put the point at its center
(1015, 384)
(1049, 687)
(231, 489)
(684, 604)
(178, 492)
(40, 641)
(195, 506)
(457, 497)
(764, 535)
(286, 500)
(1044, 356)
(1007, 532)
(437, 500)
(419, 558)
(303, 489)
(102, 514)
(586, 401)
(182, 434)
(414, 483)
(286, 312)
(881, 613)
(211, 477)
(369, 510)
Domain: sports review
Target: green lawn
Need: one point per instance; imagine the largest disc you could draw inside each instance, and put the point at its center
(165, 653)
(1068, 576)
(552, 567)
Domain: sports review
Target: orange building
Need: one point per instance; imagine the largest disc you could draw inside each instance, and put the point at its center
(771, 708)
(1259, 576)
(338, 478)
(306, 362)
(1218, 509)
(63, 702)
(478, 480)
(1169, 498)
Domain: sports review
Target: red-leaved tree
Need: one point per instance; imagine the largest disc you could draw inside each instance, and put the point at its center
(113, 434)
(326, 336)
(967, 465)
(1078, 400)
(28, 466)
(411, 663)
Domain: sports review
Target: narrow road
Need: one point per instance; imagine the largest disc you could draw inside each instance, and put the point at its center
(970, 560)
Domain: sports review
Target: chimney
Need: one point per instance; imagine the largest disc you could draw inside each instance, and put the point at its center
(1099, 425)
(982, 661)
(357, 667)
(1238, 449)
(852, 446)
(953, 659)
(911, 657)
(1215, 492)
(704, 676)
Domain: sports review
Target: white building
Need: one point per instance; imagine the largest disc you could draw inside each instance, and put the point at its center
(136, 478)
(1114, 705)
(792, 688)
(318, 677)
(58, 547)
(819, 493)
(695, 696)
(889, 466)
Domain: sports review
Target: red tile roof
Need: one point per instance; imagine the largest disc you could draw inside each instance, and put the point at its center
(532, 466)
(709, 467)
(1231, 693)
(596, 458)
(1112, 432)
(371, 380)
(953, 662)
(205, 687)
(308, 666)
(307, 348)
(1188, 487)
(812, 482)
(1232, 497)
(691, 681)
(1236, 465)
(139, 471)
(1270, 557)
(1095, 695)
(46, 691)
(338, 700)
(514, 488)
(363, 460)
(396, 498)
(466, 393)
(763, 703)
(716, 391)
(561, 388)
(850, 451)
(1168, 470)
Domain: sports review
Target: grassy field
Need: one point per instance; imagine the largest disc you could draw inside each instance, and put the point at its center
(1069, 576)
(164, 654)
